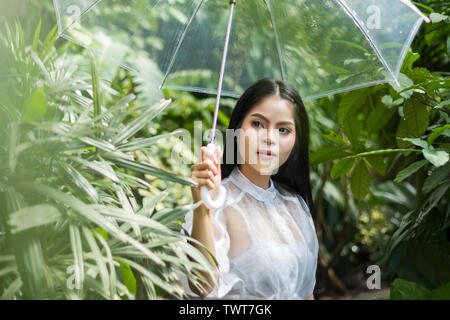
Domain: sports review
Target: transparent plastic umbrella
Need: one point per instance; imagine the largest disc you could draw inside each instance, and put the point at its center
(320, 47)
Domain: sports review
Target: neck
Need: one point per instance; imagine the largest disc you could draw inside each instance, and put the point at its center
(254, 176)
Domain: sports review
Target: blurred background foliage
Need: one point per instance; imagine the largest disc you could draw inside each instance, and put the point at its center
(88, 173)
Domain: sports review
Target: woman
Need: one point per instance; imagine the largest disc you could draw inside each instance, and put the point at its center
(263, 237)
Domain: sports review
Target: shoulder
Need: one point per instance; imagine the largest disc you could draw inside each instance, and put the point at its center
(233, 191)
(287, 193)
(284, 190)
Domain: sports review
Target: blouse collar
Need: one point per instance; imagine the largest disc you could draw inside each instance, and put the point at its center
(257, 192)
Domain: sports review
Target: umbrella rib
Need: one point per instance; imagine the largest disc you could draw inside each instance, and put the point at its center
(414, 8)
(81, 15)
(172, 60)
(277, 40)
(368, 38)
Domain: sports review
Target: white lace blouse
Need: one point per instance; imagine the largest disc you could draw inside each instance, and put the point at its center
(265, 242)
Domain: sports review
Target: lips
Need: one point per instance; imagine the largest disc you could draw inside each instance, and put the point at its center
(266, 152)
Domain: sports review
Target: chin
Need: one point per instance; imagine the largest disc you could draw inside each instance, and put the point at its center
(265, 168)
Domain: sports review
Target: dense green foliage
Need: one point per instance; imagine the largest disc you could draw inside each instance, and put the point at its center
(87, 180)
(73, 223)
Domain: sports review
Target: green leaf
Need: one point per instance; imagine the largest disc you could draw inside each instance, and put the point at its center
(141, 121)
(36, 36)
(437, 132)
(416, 116)
(412, 168)
(101, 144)
(328, 153)
(410, 58)
(436, 157)
(81, 181)
(111, 263)
(32, 217)
(48, 43)
(377, 162)
(121, 215)
(126, 206)
(352, 128)
(12, 289)
(28, 251)
(151, 170)
(389, 102)
(103, 233)
(406, 290)
(441, 293)
(95, 85)
(140, 144)
(169, 215)
(334, 137)
(405, 82)
(403, 130)
(351, 102)
(448, 46)
(128, 277)
(422, 76)
(334, 69)
(150, 275)
(438, 175)
(120, 106)
(149, 203)
(437, 17)
(351, 44)
(442, 103)
(102, 167)
(77, 250)
(360, 181)
(90, 214)
(98, 258)
(341, 168)
(35, 106)
(378, 117)
(5, 270)
(418, 142)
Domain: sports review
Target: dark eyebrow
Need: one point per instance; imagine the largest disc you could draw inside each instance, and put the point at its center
(264, 118)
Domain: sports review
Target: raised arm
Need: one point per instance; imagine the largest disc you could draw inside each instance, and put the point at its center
(207, 173)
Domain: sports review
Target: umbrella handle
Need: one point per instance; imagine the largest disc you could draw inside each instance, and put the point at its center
(220, 199)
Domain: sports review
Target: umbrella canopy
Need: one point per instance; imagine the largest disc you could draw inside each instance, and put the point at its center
(320, 47)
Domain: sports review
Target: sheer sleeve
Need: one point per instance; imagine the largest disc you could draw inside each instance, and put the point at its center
(313, 245)
(231, 238)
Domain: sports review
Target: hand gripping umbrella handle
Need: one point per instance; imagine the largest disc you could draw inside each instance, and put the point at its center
(220, 199)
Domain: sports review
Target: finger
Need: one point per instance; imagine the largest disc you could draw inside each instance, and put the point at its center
(218, 155)
(218, 152)
(209, 165)
(205, 174)
(205, 165)
(202, 154)
(211, 184)
(213, 167)
(206, 182)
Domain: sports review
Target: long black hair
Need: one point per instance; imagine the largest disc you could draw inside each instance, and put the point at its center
(294, 173)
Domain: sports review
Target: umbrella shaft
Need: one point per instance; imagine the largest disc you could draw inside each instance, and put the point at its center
(222, 69)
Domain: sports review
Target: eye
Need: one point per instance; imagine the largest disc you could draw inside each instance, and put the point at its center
(287, 130)
(256, 123)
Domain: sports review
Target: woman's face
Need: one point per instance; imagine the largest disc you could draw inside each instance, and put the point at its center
(269, 125)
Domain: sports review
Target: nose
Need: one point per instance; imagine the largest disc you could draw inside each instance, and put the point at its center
(270, 137)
